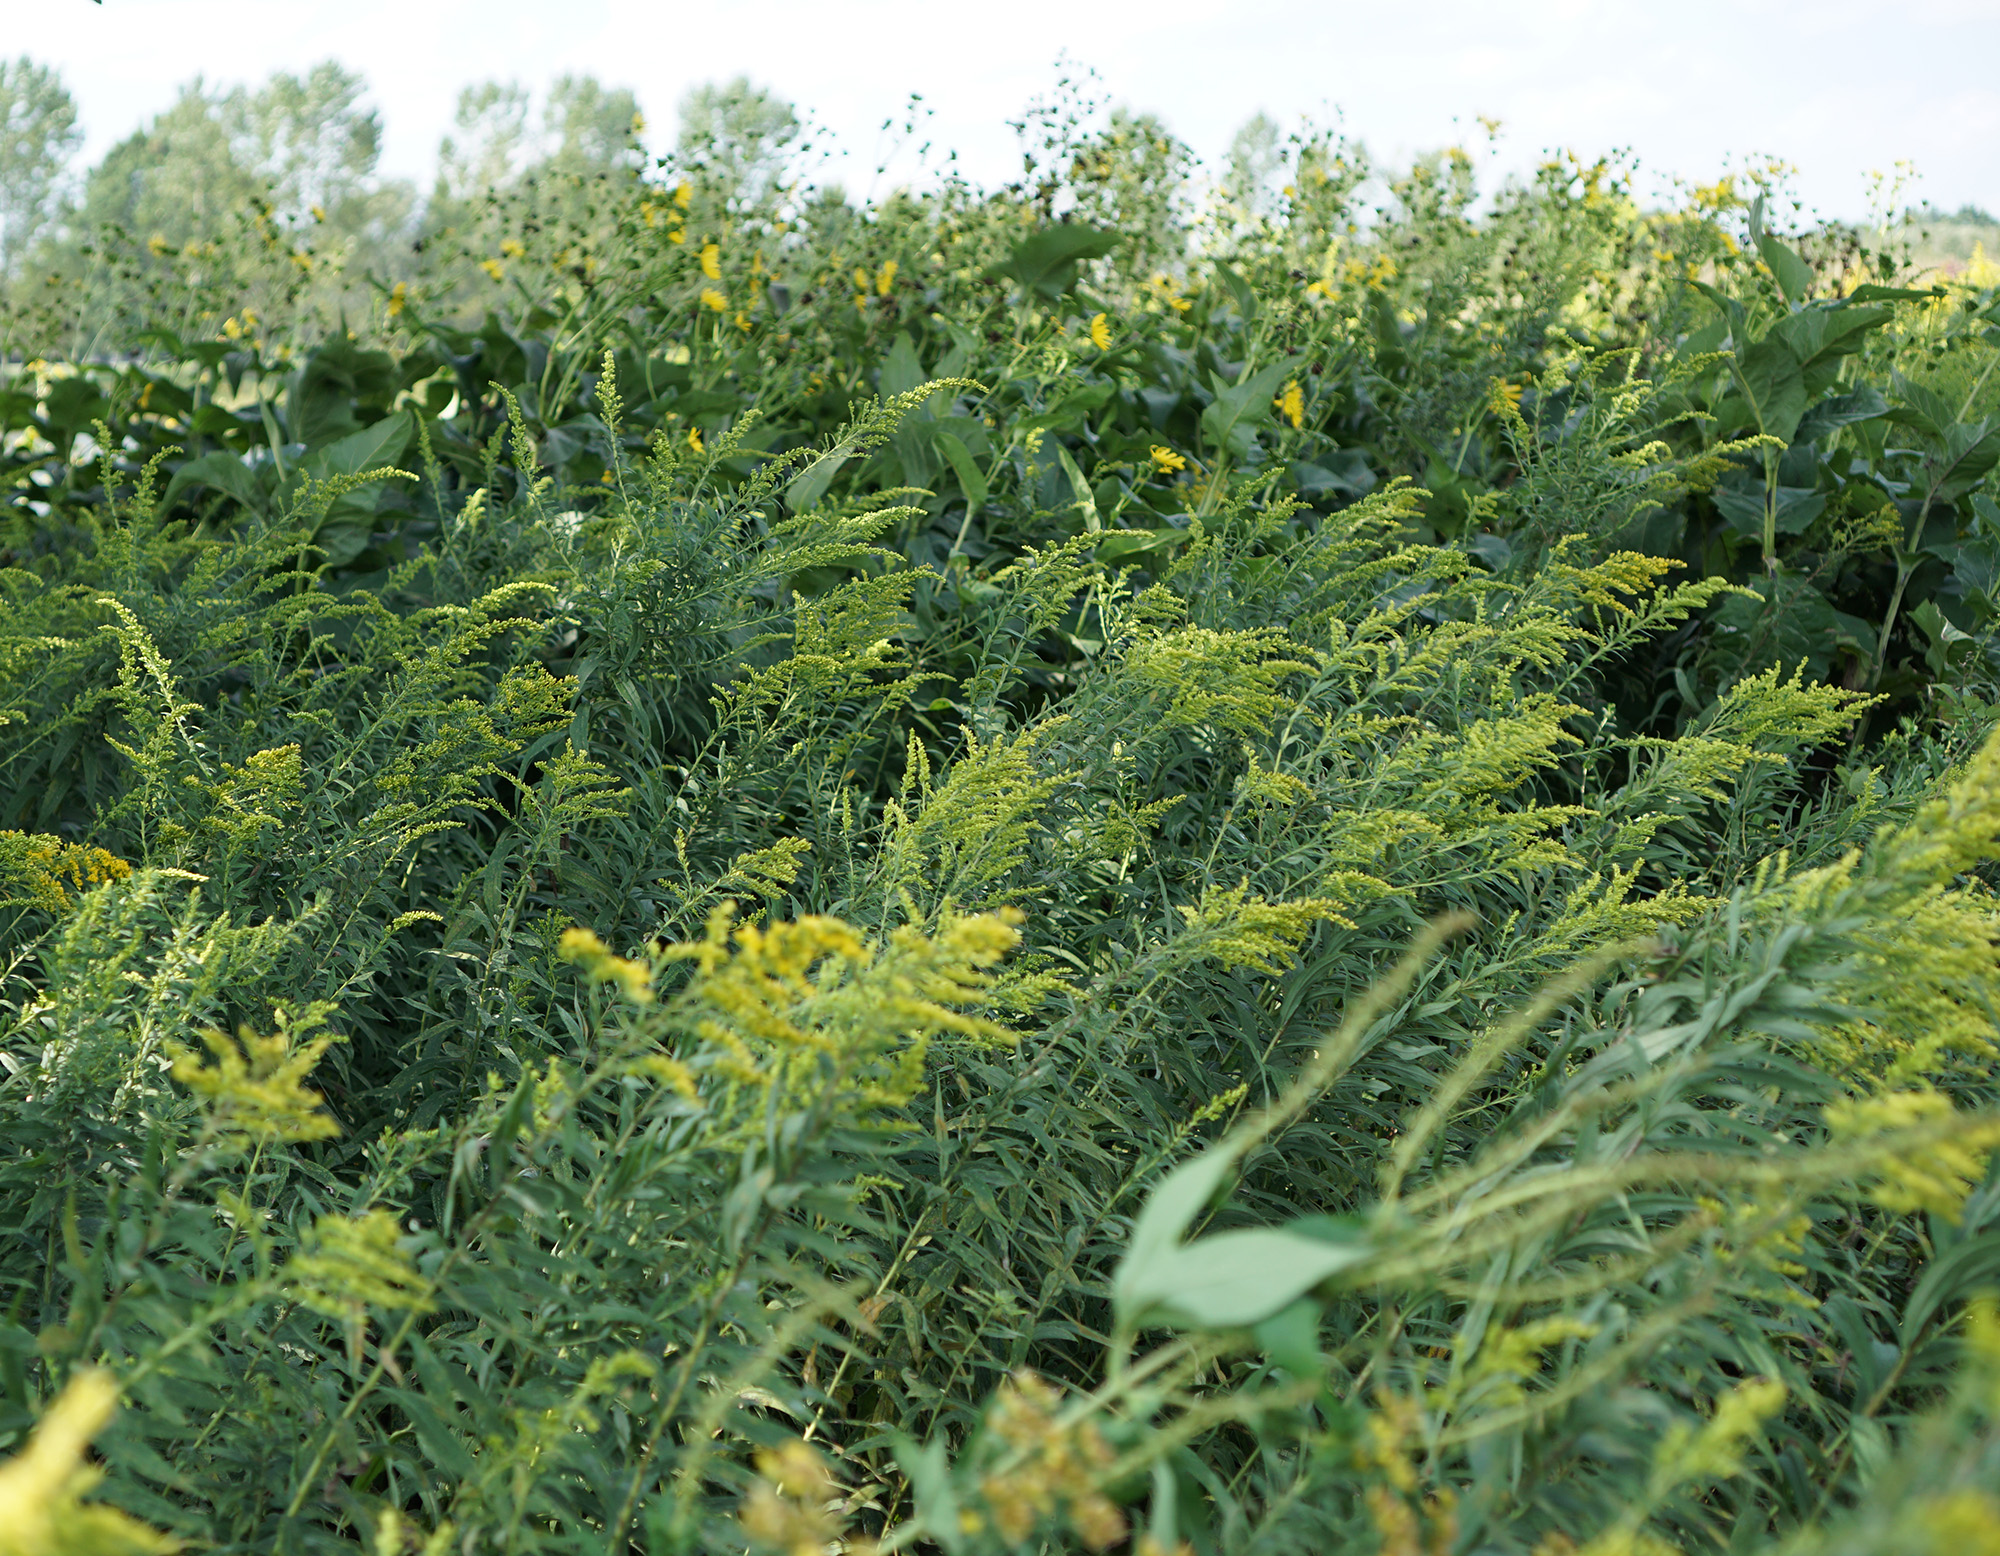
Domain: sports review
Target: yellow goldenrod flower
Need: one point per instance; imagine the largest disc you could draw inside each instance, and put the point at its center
(711, 261)
(886, 278)
(1166, 461)
(398, 295)
(1292, 404)
(510, 248)
(1100, 332)
(492, 268)
(711, 298)
(42, 1486)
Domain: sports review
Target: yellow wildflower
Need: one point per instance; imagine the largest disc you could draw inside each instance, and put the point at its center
(492, 268)
(694, 439)
(1166, 461)
(677, 236)
(41, 1487)
(398, 295)
(638, 125)
(683, 194)
(159, 245)
(511, 248)
(584, 947)
(1292, 404)
(1100, 332)
(711, 261)
(319, 213)
(711, 298)
(743, 321)
(256, 1087)
(886, 277)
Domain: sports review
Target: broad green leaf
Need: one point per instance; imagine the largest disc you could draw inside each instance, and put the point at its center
(970, 481)
(1795, 276)
(1046, 261)
(224, 472)
(1230, 420)
(1774, 385)
(372, 448)
(1233, 1279)
(1086, 500)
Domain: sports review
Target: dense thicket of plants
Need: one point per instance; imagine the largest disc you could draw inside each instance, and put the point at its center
(1066, 868)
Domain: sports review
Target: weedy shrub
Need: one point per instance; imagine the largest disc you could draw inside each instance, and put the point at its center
(669, 988)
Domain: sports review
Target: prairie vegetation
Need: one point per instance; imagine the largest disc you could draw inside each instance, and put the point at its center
(1297, 860)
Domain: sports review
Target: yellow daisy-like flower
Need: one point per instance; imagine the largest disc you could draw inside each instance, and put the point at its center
(743, 321)
(1100, 333)
(511, 248)
(683, 193)
(677, 236)
(711, 261)
(1166, 461)
(492, 268)
(694, 439)
(886, 277)
(711, 298)
(1292, 404)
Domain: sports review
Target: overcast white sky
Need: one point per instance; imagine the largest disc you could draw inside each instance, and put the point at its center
(1837, 87)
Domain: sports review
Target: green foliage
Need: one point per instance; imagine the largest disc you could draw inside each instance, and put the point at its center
(935, 905)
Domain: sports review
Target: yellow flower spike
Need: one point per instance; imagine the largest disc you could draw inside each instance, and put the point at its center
(712, 299)
(1100, 332)
(255, 1089)
(1166, 461)
(711, 261)
(885, 279)
(583, 947)
(41, 1488)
